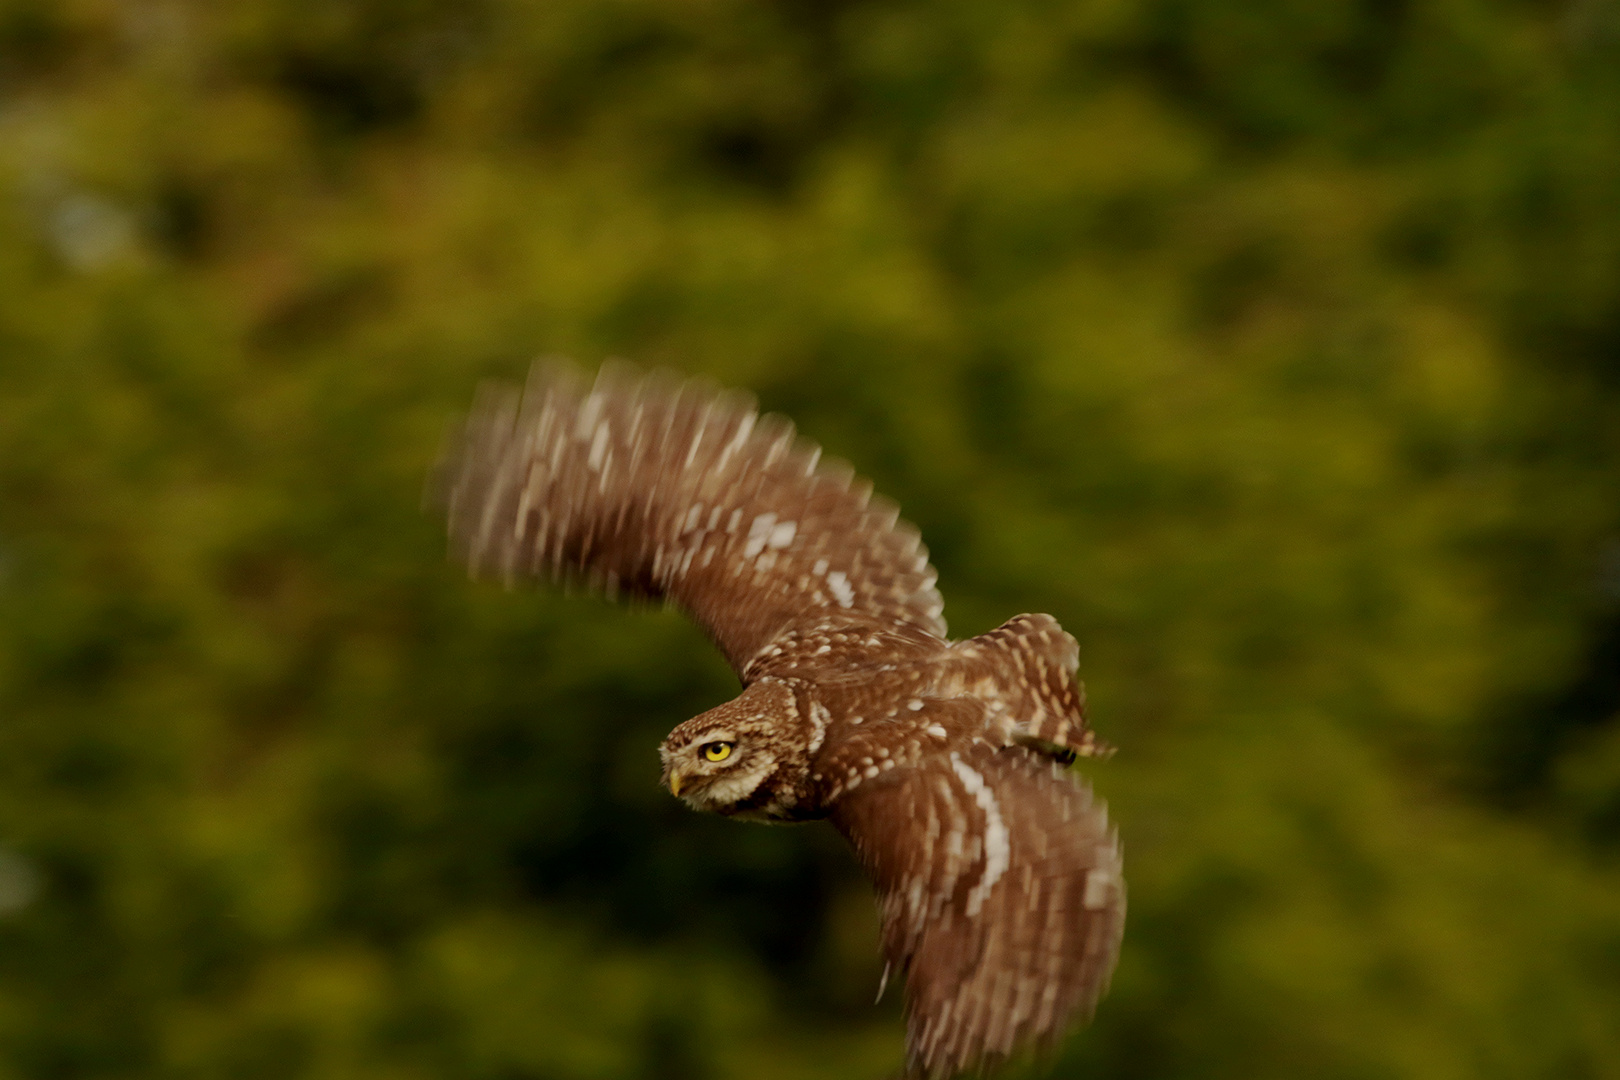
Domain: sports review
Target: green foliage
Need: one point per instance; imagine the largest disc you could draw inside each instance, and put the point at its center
(1270, 346)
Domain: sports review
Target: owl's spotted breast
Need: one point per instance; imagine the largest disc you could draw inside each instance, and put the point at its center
(998, 873)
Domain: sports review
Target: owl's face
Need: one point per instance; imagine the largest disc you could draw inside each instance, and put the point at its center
(715, 766)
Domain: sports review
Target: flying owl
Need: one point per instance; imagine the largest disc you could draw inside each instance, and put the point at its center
(942, 762)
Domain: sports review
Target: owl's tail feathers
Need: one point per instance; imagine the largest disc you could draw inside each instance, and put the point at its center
(1042, 703)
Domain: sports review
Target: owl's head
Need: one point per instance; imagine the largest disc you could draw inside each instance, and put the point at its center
(717, 761)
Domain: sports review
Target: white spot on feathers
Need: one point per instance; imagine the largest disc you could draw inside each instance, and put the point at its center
(697, 438)
(598, 446)
(1099, 885)
(744, 426)
(759, 534)
(589, 410)
(841, 588)
(818, 721)
(997, 845)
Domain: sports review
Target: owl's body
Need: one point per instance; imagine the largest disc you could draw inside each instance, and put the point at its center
(879, 704)
(943, 763)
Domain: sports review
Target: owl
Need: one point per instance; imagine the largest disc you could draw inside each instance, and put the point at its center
(943, 763)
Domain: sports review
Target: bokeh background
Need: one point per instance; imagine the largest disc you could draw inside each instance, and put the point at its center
(1273, 346)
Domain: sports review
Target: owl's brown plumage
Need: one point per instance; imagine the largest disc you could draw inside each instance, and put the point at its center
(998, 875)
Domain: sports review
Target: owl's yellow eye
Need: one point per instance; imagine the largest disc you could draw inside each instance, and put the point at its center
(717, 751)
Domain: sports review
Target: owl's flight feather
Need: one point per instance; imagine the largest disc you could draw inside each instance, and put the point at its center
(999, 877)
(666, 489)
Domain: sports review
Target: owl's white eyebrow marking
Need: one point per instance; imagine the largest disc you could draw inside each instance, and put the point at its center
(997, 847)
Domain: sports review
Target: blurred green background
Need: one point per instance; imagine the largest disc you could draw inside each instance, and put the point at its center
(1272, 346)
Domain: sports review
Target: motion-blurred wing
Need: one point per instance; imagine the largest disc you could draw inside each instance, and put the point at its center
(1002, 896)
(660, 488)
(1025, 672)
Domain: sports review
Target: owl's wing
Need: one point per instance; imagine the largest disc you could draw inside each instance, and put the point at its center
(1002, 898)
(1039, 701)
(660, 488)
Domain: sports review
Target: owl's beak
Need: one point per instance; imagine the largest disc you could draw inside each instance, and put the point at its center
(677, 780)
